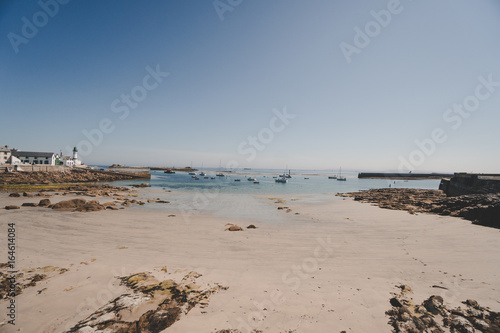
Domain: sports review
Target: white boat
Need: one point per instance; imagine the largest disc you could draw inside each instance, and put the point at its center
(281, 180)
(202, 174)
(340, 178)
(251, 179)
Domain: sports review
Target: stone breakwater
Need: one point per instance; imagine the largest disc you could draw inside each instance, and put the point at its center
(483, 209)
(69, 176)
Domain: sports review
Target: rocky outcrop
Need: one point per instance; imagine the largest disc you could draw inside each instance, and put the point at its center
(483, 209)
(72, 175)
(434, 316)
(470, 183)
(174, 300)
(24, 279)
(9, 207)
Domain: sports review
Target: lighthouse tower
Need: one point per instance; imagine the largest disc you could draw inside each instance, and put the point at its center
(75, 153)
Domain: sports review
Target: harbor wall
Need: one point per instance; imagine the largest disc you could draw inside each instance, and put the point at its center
(469, 183)
(403, 175)
(139, 172)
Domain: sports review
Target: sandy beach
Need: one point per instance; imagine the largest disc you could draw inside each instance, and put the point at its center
(327, 265)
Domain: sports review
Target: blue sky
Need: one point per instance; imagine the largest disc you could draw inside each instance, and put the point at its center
(228, 77)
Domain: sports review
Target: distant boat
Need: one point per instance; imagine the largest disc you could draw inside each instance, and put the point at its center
(332, 177)
(196, 178)
(205, 177)
(220, 174)
(251, 179)
(202, 174)
(212, 177)
(285, 175)
(281, 180)
(340, 178)
(306, 178)
(256, 182)
(169, 171)
(237, 180)
(192, 173)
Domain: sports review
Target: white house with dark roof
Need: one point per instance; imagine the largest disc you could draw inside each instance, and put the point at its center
(32, 157)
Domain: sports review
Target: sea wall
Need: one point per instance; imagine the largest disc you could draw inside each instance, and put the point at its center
(34, 168)
(138, 172)
(403, 175)
(469, 183)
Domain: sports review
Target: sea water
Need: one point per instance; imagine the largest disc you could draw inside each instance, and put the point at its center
(301, 182)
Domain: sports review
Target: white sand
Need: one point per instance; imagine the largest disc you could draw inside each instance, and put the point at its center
(280, 276)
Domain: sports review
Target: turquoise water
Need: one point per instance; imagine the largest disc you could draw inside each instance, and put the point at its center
(317, 182)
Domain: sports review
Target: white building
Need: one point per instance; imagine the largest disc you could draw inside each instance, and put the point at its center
(67, 160)
(4, 154)
(32, 157)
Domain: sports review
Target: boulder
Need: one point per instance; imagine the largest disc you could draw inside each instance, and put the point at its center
(234, 228)
(29, 204)
(11, 207)
(14, 195)
(69, 204)
(251, 226)
(91, 206)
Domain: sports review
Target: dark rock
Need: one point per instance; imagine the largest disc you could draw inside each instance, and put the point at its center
(14, 195)
(69, 204)
(395, 302)
(251, 226)
(29, 204)
(11, 207)
(44, 203)
(434, 304)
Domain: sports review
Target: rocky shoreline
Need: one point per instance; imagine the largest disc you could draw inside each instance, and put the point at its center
(72, 175)
(433, 315)
(119, 198)
(483, 209)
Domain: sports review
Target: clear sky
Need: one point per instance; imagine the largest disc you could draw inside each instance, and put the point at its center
(356, 83)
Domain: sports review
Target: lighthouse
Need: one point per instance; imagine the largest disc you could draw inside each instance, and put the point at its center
(75, 154)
